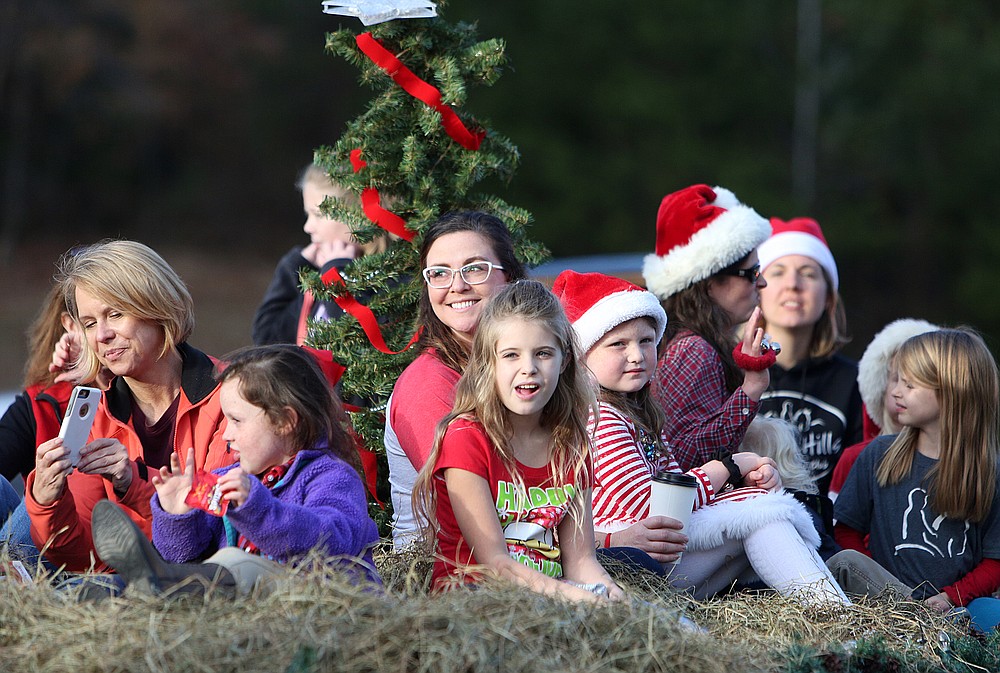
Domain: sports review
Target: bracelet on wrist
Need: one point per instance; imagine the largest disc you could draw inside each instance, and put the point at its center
(753, 363)
(735, 474)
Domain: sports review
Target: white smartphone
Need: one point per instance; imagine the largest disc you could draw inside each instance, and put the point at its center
(78, 420)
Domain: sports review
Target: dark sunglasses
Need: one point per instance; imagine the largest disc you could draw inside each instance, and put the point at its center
(751, 274)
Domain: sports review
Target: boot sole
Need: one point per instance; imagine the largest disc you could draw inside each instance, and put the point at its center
(121, 544)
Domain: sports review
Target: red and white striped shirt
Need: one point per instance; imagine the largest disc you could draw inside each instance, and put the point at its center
(622, 473)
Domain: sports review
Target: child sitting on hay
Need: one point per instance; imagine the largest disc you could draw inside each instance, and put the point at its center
(295, 488)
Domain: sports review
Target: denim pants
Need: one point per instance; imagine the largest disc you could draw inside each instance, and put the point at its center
(16, 530)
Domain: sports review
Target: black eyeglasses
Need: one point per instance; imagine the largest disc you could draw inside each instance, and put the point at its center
(751, 274)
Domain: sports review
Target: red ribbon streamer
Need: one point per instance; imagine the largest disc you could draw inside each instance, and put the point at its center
(388, 220)
(420, 90)
(363, 315)
(357, 163)
(371, 202)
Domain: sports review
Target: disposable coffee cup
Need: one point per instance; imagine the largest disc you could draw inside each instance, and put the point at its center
(672, 494)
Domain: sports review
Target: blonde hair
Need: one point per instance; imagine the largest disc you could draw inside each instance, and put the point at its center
(132, 278)
(476, 398)
(317, 177)
(778, 439)
(958, 366)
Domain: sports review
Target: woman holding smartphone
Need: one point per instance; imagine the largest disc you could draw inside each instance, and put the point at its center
(136, 315)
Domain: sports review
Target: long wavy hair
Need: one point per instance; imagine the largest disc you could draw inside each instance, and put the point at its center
(958, 366)
(693, 309)
(43, 335)
(450, 350)
(283, 377)
(477, 398)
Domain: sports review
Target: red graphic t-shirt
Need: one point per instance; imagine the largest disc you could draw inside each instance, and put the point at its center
(529, 520)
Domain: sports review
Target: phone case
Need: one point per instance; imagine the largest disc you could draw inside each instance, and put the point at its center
(78, 420)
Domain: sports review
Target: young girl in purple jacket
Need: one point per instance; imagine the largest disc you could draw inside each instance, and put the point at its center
(296, 487)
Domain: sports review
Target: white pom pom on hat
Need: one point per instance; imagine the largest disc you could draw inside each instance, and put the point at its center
(596, 304)
(699, 232)
(799, 236)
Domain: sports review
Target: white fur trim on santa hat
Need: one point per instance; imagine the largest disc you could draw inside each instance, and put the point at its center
(799, 243)
(873, 368)
(737, 519)
(727, 239)
(616, 308)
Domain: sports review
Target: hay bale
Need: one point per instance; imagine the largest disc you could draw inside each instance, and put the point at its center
(315, 620)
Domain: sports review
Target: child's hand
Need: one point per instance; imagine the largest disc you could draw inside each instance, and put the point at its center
(173, 485)
(235, 486)
(323, 252)
(757, 471)
(939, 602)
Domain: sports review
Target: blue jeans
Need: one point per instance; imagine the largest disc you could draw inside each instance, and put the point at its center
(9, 500)
(16, 531)
(630, 556)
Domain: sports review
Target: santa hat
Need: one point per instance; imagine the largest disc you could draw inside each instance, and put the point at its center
(596, 304)
(699, 232)
(873, 368)
(799, 236)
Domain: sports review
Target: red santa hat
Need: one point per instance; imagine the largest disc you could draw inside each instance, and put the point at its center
(699, 232)
(596, 304)
(873, 368)
(799, 236)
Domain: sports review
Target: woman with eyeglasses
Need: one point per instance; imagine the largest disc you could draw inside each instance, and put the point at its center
(706, 274)
(812, 385)
(465, 257)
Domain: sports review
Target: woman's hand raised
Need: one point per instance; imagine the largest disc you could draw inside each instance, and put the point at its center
(754, 382)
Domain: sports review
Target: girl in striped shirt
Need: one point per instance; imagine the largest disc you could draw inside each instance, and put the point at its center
(743, 527)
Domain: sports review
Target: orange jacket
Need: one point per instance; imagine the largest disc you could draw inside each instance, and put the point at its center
(64, 526)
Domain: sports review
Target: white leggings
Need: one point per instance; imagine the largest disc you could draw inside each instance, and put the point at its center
(774, 553)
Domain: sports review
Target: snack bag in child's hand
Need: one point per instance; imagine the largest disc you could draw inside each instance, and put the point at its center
(205, 494)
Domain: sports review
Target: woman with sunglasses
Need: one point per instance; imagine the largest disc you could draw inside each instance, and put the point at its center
(465, 257)
(812, 385)
(705, 273)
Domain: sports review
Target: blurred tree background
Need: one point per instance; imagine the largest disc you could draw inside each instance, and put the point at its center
(184, 124)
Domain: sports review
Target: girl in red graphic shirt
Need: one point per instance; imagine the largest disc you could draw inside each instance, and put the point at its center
(507, 486)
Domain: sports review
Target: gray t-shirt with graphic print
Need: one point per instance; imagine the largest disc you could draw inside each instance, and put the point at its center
(917, 545)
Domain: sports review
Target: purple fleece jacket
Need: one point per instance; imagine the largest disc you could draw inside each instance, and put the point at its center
(319, 502)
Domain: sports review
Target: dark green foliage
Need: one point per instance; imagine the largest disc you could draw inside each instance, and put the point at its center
(420, 173)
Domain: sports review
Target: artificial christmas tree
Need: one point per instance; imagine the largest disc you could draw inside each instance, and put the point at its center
(414, 154)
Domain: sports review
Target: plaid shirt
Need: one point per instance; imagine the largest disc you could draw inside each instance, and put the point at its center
(703, 421)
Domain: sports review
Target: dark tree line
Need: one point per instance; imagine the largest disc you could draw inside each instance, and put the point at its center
(186, 121)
